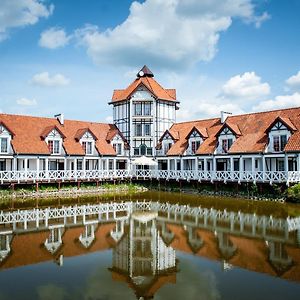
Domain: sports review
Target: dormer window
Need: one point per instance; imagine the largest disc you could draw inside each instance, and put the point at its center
(5, 138)
(226, 144)
(87, 147)
(3, 145)
(118, 144)
(167, 142)
(195, 138)
(87, 139)
(279, 133)
(54, 146)
(279, 142)
(227, 135)
(118, 148)
(54, 139)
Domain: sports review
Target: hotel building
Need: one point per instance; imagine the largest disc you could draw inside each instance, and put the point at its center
(255, 147)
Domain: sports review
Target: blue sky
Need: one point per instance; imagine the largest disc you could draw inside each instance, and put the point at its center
(68, 56)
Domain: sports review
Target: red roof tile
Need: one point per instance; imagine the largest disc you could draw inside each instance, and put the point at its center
(28, 131)
(151, 84)
(249, 128)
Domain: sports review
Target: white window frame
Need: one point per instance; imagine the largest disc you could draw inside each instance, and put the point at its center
(54, 137)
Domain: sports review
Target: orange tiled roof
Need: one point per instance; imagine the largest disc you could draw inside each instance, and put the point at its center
(82, 131)
(251, 131)
(151, 84)
(28, 131)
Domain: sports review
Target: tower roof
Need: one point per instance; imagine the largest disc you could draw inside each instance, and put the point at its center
(145, 78)
(145, 72)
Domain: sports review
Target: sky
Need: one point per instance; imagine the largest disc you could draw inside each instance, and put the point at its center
(61, 56)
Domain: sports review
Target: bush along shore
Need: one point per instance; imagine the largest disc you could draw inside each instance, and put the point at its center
(68, 191)
(277, 193)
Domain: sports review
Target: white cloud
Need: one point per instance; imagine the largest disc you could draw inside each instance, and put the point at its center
(166, 33)
(19, 13)
(279, 102)
(294, 81)
(44, 79)
(26, 102)
(54, 38)
(246, 86)
(109, 119)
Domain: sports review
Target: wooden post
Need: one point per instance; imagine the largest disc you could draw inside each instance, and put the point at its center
(78, 185)
(37, 187)
(59, 185)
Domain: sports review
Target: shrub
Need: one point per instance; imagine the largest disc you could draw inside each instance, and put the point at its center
(293, 192)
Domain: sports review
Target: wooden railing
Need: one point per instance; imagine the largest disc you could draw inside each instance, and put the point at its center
(188, 175)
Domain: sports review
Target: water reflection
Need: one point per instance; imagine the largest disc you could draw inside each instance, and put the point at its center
(144, 237)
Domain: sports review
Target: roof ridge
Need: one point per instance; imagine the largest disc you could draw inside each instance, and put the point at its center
(263, 112)
(53, 118)
(245, 114)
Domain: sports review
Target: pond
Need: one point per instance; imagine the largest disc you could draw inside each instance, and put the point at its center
(151, 245)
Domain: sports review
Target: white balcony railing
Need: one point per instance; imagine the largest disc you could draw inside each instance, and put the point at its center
(223, 176)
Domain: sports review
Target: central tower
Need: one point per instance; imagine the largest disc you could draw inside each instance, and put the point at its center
(143, 111)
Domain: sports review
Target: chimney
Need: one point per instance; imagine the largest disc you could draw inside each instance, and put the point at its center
(224, 115)
(60, 118)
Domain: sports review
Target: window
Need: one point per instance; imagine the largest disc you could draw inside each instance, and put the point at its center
(138, 129)
(280, 165)
(167, 147)
(118, 148)
(54, 146)
(3, 145)
(147, 129)
(79, 164)
(87, 147)
(279, 142)
(138, 109)
(143, 149)
(226, 144)
(195, 145)
(2, 165)
(147, 109)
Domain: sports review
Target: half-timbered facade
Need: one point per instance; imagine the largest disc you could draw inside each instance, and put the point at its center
(255, 147)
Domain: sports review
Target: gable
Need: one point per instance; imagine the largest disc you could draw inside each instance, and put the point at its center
(195, 134)
(117, 138)
(226, 131)
(54, 134)
(142, 93)
(4, 130)
(278, 126)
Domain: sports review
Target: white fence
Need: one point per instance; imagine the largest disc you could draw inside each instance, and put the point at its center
(223, 176)
(198, 217)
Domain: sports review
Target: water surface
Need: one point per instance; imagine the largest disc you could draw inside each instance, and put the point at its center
(157, 245)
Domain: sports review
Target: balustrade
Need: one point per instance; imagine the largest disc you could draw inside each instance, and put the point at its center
(223, 176)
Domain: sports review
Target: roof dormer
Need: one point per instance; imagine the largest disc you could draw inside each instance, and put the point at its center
(87, 140)
(281, 123)
(195, 137)
(279, 132)
(226, 136)
(53, 137)
(6, 136)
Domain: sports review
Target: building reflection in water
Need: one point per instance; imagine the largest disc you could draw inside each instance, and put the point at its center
(141, 258)
(144, 237)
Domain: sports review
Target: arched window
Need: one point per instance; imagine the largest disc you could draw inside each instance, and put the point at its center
(143, 149)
